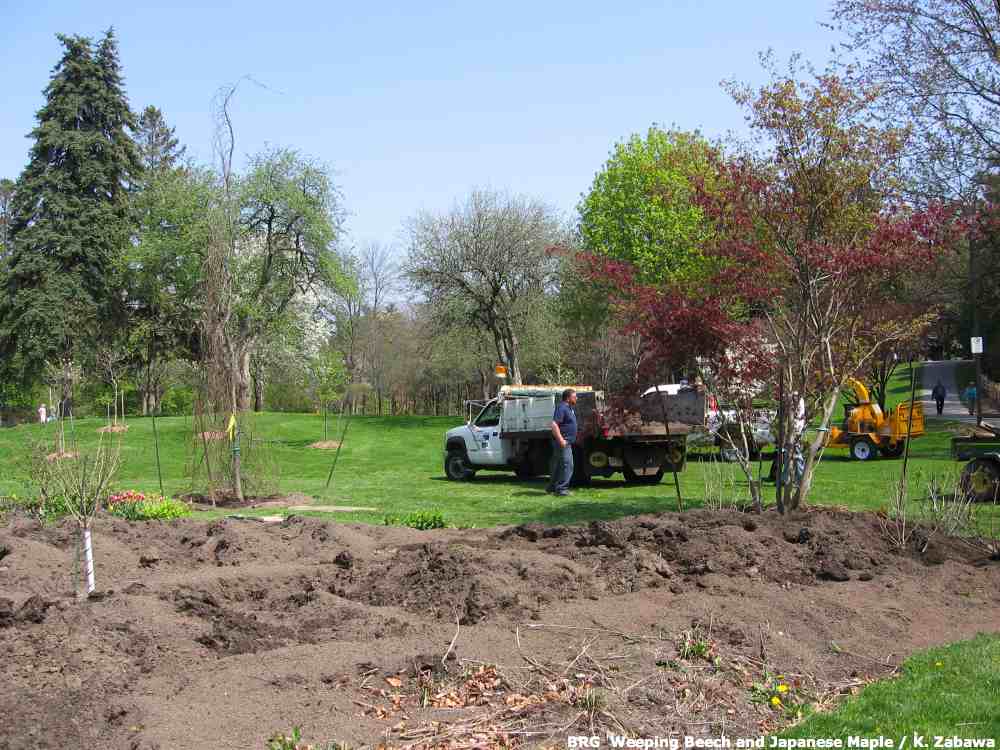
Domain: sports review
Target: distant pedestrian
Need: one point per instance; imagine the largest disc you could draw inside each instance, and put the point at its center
(563, 436)
(42, 414)
(938, 394)
(970, 398)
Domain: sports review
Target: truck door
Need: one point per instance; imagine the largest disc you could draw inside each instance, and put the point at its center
(486, 433)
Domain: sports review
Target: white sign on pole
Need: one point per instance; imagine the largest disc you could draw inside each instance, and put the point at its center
(977, 344)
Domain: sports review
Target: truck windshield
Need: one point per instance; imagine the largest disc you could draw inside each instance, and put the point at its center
(490, 416)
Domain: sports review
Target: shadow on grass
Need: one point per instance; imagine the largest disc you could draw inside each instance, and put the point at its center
(583, 511)
(504, 480)
(583, 505)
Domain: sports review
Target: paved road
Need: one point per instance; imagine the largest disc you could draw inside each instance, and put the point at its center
(954, 409)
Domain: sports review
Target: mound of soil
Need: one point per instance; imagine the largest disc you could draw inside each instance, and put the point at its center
(228, 631)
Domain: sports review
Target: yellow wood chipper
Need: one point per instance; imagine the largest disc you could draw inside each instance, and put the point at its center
(867, 431)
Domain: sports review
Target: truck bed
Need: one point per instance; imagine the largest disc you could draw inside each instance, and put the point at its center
(527, 411)
(979, 443)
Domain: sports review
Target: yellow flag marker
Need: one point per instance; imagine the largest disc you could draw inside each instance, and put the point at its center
(231, 428)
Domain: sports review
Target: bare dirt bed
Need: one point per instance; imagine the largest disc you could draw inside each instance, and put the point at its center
(217, 634)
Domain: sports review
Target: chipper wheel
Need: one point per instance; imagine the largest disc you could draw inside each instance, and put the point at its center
(863, 449)
(893, 451)
(981, 479)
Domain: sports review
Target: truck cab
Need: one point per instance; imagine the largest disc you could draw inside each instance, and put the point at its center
(479, 438)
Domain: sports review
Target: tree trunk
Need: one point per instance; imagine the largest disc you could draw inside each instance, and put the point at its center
(258, 391)
(798, 500)
(243, 380)
(512, 356)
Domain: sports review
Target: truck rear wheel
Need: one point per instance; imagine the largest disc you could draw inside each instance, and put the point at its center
(632, 478)
(457, 468)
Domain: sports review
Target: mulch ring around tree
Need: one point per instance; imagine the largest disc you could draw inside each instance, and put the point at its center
(114, 428)
(326, 445)
(227, 499)
(60, 455)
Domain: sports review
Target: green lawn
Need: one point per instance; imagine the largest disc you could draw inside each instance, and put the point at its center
(952, 690)
(394, 464)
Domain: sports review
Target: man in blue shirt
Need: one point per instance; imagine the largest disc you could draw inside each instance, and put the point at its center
(563, 437)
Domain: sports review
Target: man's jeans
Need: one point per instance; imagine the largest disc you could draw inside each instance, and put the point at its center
(560, 468)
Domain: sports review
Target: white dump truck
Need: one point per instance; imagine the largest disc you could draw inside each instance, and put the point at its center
(642, 438)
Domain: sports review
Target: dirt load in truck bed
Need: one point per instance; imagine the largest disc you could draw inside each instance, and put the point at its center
(218, 634)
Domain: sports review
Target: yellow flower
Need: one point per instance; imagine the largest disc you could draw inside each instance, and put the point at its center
(939, 664)
(782, 688)
(775, 701)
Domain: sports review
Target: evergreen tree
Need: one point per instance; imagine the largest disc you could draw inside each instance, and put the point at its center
(168, 202)
(6, 196)
(70, 214)
(158, 147)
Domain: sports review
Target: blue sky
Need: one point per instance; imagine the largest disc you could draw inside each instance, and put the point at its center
(414, 104)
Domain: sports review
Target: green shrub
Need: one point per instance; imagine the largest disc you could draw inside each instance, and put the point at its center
(134, 506)
(177, 401)
(423, 520)
(293, 741)
(32, 503)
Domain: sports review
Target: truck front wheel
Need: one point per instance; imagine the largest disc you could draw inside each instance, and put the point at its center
(456, 467)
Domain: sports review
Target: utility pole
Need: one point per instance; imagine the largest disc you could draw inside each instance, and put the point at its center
(977, 352)
(977, 341)
(779, 497)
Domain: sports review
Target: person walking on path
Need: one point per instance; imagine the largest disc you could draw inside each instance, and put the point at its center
(563, 437)
(42, 414)
(970, 398)
(939, 394)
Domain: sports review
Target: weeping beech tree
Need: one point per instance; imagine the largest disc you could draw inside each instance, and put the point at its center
(271, 240)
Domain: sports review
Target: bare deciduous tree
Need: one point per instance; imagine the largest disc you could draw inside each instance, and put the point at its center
(81, 481)
(486, 262)
(936, 64)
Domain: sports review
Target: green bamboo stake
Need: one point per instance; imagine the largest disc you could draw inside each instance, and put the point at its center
(336, 455)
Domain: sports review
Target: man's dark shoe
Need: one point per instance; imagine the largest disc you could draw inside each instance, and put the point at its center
(550, 490)
(564, 493)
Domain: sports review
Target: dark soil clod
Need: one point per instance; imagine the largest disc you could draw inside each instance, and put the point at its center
(831, 570)
(33, 610)
(6, 613)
